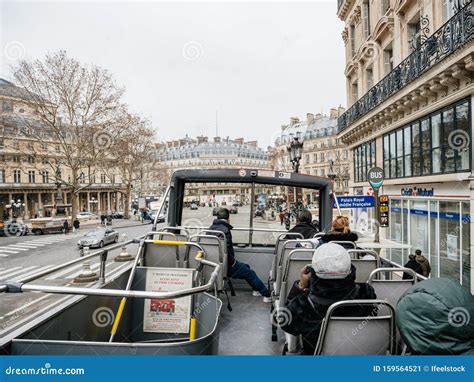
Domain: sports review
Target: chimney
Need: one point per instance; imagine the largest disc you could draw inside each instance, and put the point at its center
(294, 121)
(239, 141)
(252, 143)
(318, 116)
(309, 118)
(201, 139)
(340, 110)
(217, 139)
(333, 113)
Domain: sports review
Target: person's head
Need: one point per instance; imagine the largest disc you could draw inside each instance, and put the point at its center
(418, 252)
(331, 261)
(304, 217)
(411, 257)
(223, 214)
(341, 225)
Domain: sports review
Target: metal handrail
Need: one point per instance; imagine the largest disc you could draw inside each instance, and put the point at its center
(396, 265)
(165, 195)
(72, 262)
(119, 292)
(238, 229)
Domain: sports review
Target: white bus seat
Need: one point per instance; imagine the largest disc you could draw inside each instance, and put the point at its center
(214, 251)
(164, 255)
(282, 238)
(289, 246)
(345, 244)
(365, 261)
(372, 335)
(178, 237)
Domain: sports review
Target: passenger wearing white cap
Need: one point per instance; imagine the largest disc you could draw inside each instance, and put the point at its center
(329, 279)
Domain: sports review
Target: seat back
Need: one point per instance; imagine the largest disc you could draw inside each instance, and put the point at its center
(296, 261)
(372, 335)
(281, 240)
(345, 244)
(365, 261)
(178, 237)
(392, 287)
(288, 246)
(213, 248)
(164, 255)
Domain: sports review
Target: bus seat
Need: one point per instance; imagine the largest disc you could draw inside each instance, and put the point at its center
(282, 238)
(163, 256)
(372, 335)
(288, 246)
(175, 236)
(345, 244)
(296, 261)
(213, 248)
(365, 261)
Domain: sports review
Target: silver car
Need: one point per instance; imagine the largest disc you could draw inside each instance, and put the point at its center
(98, 238)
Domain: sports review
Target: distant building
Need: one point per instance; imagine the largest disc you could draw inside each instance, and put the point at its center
(323, 154)
(203, 153)
(23, 175)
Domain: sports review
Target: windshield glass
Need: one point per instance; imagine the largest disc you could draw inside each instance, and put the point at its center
(93, 233)
(251, 207)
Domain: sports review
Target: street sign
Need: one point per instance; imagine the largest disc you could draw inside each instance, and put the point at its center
(376, 177)
(384, 210)
(354, 202)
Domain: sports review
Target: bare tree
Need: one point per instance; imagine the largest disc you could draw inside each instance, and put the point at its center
(135, 155)
(76, 109)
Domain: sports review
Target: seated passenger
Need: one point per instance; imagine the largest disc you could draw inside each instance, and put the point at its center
(236, 269)
(329, 279)
(412, 264)
(304, 225)
(435, 317)
(340, 232)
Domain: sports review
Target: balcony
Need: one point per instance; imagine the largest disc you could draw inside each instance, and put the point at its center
(453, 35)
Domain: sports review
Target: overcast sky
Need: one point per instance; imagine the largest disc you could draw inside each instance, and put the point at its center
(258, 64)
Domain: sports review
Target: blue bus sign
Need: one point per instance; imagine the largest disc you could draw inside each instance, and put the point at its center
(354, 202)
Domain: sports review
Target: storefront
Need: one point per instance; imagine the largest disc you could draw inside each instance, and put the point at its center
(434, 218)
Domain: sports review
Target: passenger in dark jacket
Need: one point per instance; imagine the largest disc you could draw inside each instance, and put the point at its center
(76, 224)
(304, 225)
(423, 261)
(329, 279)
(340, 232)
(235, 268)
(412, 264)
(435, 317)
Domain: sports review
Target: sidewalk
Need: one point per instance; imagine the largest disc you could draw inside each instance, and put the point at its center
(116, 223)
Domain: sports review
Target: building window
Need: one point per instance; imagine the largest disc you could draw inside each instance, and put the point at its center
(436, 144)
(16, 145)
(2, 144)
(414, 34)
(355, 92)
(352, 37)
(45, 175)
(31, 159)
(364, 159)
(102, 178)
(2, 176)
(366, 16)
(369, 77)
(31, 176)
(16, 158)
(388, 59)
(16, 176)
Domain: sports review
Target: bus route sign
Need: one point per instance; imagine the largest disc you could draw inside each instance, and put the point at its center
(376, 177)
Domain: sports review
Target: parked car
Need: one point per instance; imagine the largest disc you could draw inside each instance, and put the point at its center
(97, 238)
(40, 226)
(152, 214)
(193, 206)
(233, 210)
(116, 215)
(87, 214)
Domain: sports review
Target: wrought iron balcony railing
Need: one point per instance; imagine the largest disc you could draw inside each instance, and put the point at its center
(456, 32)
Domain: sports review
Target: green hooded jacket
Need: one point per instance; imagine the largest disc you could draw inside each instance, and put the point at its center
(436, 316)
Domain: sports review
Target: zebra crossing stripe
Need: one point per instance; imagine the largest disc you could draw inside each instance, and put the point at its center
(18, 271)
(27, 246)
(7, 270)
(9, 250)
(13, 246)
(66, 271)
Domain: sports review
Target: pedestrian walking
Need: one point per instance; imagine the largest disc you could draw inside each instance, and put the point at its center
(66, 227)
(76, 224)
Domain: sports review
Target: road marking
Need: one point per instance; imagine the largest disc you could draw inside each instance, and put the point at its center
(8, 250)
(59, 274)
(13, 246)
(35, 271)
(27, 246)
(18, 271)
(23, 307)
(7, 270)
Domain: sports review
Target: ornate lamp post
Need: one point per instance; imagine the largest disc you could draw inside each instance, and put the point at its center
(295, 152)
(16, 207)
(59, 196)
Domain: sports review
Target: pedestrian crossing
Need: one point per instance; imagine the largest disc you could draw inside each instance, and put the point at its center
(18, 273)
(12, 249)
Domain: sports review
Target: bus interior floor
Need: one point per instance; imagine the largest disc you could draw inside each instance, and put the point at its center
(247, 329)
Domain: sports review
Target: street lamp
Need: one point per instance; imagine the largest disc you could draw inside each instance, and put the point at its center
(93, 201)
(295, 151)
(16, 207)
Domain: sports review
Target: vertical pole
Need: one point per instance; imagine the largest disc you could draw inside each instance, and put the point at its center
(377, 215)
(252, 199)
